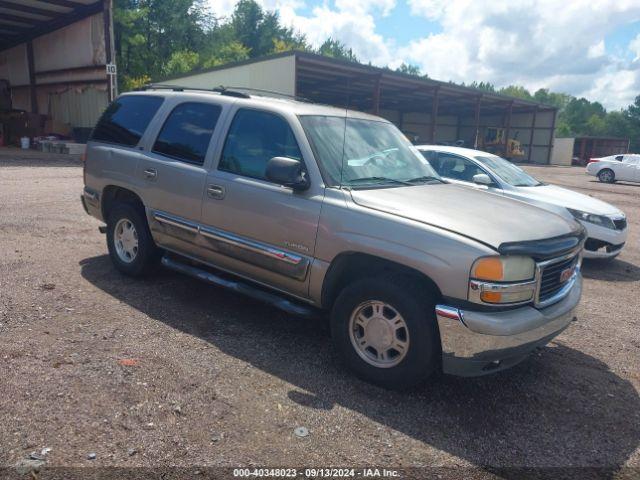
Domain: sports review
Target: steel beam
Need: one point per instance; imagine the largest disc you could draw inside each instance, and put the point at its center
(533, 129)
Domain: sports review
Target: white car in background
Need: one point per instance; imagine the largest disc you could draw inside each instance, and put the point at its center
(615, 167)
(606, 225)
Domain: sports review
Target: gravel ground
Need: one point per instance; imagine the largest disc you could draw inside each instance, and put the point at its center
(213, 379)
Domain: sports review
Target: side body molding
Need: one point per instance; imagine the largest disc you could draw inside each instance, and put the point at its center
(247, 250)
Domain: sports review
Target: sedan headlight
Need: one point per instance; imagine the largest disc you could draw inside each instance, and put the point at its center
(502, 280)
(600, 220)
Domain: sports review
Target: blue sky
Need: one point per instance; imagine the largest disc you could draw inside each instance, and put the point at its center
(586, 48)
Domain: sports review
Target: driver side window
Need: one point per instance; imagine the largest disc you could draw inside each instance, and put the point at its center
(255, 137)
(457, 168)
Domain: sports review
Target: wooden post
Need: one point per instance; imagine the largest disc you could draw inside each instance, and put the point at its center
(552, 136)
(477, 121)
(583, 151)
(507, 128)
(434, 115)
(376, 95)
(32, 78)
(533, 129)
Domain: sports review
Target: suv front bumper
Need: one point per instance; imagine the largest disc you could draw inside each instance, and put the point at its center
(477, 343)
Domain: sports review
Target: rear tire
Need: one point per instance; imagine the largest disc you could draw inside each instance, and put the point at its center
(606, 175)
(131, 247)
(385, 331)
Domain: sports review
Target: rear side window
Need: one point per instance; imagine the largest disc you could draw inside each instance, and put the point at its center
(254, 138)
(126, 119)
(187, 132)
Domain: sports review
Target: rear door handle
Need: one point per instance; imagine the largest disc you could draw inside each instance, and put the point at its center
(150, 173)
(215, 191)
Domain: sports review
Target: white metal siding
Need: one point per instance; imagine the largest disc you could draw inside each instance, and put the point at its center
(277, 75)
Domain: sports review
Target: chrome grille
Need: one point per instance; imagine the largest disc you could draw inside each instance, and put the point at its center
(620, 223)
(550, 282)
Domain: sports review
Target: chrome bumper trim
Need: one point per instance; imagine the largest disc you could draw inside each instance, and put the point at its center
(477, 343)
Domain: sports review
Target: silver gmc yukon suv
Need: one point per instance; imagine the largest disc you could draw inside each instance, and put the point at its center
(313, 208)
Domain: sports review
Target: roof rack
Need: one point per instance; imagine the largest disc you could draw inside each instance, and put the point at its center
(225, 90)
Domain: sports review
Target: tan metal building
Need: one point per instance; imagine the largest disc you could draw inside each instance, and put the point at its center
(53, 57)
(428, 111)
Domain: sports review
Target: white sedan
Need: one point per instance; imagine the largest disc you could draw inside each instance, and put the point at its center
(615, 167)
(606, 225)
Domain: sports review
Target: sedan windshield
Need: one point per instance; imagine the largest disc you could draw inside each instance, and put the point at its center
(361, 153)
(508, 172)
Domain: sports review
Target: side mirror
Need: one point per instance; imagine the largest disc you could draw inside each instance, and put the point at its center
(288, 172)
(482, 179)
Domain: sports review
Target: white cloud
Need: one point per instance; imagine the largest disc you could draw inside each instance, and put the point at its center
(634, 46)
(534, 43)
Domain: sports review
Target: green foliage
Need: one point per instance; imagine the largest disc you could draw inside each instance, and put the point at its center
(484, 86)
(182, 61)
(336, 49)
(409, 69)
(159, 38)
(516, 91)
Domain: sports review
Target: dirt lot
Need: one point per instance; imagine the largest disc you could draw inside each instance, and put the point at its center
(219, 380)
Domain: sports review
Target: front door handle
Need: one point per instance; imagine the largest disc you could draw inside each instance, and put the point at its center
(150, 173)
(215, 191)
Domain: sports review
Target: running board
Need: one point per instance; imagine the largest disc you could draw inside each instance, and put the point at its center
(240, 287)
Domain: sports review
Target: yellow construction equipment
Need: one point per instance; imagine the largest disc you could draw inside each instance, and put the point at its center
(494, 142)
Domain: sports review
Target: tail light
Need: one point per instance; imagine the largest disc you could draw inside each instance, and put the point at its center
(593, 160)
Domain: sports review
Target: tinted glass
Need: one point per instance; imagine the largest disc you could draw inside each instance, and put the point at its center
(508, 172)
(187, 131)
(126, 119)
(255, 138)
(364, 153)
(453, 166)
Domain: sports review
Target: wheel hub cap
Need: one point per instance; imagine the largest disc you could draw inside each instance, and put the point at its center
(379, 334)
(125, 238)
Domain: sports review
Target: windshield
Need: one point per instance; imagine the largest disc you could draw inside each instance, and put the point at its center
(508, 172)
(365, 153)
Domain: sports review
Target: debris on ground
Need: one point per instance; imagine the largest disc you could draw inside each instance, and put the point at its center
(91, 456)
(128, 362)
(301, 432)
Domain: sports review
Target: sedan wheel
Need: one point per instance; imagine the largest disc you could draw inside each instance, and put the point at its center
(606, 176)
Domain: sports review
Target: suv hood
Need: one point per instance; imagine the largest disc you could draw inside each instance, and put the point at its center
(485, 217)
(562, 197)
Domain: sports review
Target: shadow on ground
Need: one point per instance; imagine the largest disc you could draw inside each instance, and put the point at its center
(560, 408)
(615, 270)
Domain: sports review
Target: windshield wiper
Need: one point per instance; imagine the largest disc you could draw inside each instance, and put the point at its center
(380, 180)
(425, 178)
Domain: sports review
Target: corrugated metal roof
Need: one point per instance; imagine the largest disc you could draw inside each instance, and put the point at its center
(24, 20)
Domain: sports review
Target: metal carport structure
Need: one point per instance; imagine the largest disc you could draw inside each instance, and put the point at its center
(53, 55)
(437, 112)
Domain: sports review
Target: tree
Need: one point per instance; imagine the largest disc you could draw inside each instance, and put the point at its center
(336, 49)
(409, 69)
(484, 86)
(516, 91)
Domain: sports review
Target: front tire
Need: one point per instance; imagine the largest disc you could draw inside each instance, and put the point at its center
(131, 247)
(385, 331)
(606, 175)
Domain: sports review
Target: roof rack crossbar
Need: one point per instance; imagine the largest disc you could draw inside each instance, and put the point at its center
(231, 91)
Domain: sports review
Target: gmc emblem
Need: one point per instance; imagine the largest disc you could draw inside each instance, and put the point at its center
(565, 275)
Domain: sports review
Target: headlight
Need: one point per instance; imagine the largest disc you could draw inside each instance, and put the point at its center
(592, 218)
(502, 280)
